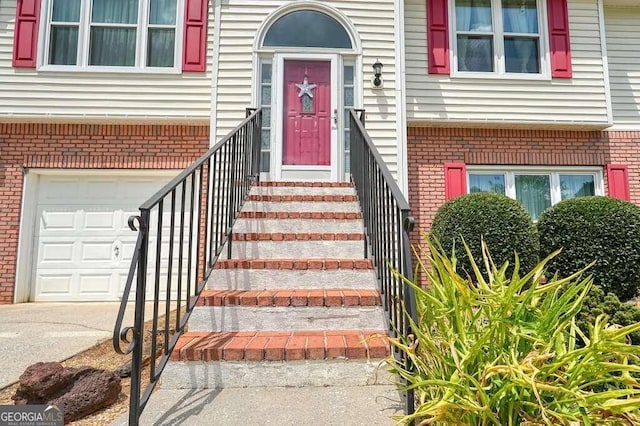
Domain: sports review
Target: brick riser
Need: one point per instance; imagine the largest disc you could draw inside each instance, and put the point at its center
(281, 346)
(298, 264)
(294, 298)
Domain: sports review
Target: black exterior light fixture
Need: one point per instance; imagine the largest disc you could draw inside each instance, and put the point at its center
(377, 74)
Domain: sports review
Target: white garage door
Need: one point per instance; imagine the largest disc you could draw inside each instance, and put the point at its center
(84, 245)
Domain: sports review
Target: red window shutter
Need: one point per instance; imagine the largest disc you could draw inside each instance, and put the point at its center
(25, 38)
(455, 180)
(558, 16)
(618, 180)
(438, 36)
(194, 54)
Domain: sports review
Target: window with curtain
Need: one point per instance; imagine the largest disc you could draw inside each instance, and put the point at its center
(536, 188)
(113, 33)
(497, 36)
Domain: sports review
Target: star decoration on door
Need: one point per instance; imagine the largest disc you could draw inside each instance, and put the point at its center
(305, 88)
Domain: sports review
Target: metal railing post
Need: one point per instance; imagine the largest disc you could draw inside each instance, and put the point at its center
(138, 321)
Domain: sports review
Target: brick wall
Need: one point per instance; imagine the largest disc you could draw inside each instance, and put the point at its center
(430, 148)
(80, 146)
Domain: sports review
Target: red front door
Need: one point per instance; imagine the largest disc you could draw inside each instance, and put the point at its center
(307, 118)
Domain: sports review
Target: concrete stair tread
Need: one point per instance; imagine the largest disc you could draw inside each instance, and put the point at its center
(286, 279)
(291, 297)
(308, 184)
(295, 264)
(301, 206)
(302, 190)
(307, 198)
(298, 236)
(328, 215)
(281, 346)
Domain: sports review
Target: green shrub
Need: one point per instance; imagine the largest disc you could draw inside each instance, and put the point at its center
(597, 303)
(502, 222)
(595, 228)
(503, 352)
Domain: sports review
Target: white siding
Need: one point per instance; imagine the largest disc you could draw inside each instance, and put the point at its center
(623, 47)
(433, 99)
(27, 93)
(374, 22)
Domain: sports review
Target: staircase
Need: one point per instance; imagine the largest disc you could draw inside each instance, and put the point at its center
(297, 304)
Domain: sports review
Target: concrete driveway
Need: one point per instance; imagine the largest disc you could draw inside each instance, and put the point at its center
(33, 332)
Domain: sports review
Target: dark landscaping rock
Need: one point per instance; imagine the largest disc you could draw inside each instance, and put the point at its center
(42, 382)
(81, 391)
(92, 390)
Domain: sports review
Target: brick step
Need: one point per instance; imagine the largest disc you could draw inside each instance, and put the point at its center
(301, 207)
(299, 236)
(302, 190)
(294, 226)
(307, 198)
(298, 184)
(281, 346)
(306, 215)
(286, 279)
(295, 264)
(294, 298)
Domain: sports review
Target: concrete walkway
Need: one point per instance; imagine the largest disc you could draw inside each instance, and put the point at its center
(322, 406)
(33, 332)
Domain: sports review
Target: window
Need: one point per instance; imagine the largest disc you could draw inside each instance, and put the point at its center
(498, 36)
(307, 28)
(266, 70)
(536, 188)
(129, 34)
(348, 99)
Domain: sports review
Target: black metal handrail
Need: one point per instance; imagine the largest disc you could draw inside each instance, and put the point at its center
(388, 222)
(183, 229)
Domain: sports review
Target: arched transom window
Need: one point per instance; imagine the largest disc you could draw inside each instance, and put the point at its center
(307, 28)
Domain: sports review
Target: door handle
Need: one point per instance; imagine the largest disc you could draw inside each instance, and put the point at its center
(335, 117)
(116, 251)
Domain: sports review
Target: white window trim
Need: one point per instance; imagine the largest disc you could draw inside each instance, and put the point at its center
(498, 34)
(553, 172)
(83, 42)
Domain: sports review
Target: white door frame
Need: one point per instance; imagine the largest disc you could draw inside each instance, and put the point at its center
(277, 112)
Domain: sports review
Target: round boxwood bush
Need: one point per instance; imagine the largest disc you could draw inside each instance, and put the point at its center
(603, 229)
(620, 313)
(502, 222)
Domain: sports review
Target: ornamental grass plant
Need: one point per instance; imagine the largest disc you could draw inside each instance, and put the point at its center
(501, 350)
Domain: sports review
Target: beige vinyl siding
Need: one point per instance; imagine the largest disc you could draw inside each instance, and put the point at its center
(623, 47)
(52, 95)
(374, 22)
(445, 100)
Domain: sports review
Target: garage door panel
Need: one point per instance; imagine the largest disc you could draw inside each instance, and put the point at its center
(105, 220)
(95, 284)
(51, 220)
(97, 252)
(49, 284)
(56, 252)
(58, 190)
